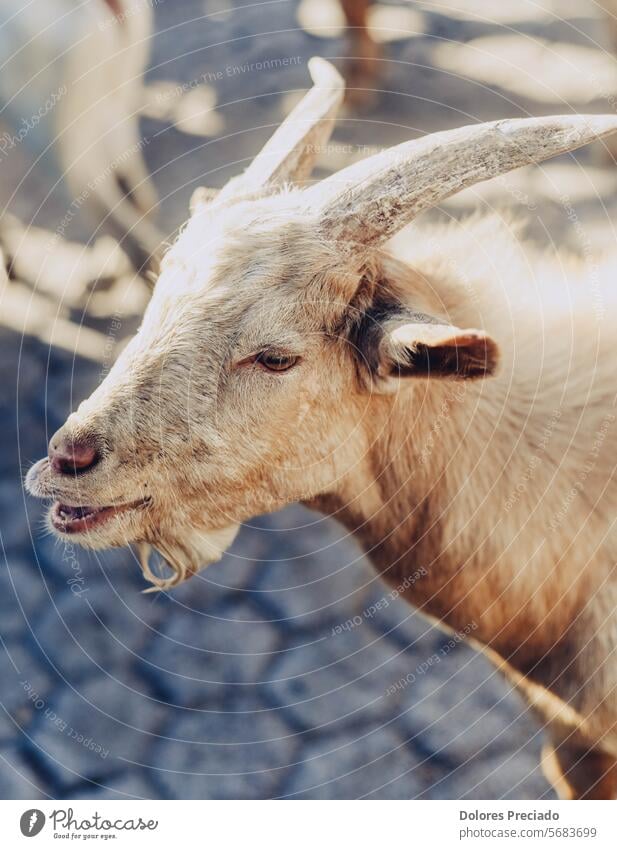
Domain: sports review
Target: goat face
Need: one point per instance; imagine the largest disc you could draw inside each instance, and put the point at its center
(229, 401)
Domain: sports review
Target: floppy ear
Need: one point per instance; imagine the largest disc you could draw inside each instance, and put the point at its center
(422, 347)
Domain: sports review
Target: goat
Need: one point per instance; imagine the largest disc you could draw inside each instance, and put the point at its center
(445, 393)
(99, 143)
(96, 54)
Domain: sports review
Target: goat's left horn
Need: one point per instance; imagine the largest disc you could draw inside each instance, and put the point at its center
(370, 201)
(289, 156)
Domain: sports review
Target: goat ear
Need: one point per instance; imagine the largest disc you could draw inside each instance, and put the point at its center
(428, 349)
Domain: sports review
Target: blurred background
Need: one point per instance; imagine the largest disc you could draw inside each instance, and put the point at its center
(284, 671)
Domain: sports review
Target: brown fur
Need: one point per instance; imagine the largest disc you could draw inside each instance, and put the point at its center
(466, 478)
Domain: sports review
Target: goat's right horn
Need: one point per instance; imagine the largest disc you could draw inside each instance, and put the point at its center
(371, 200)
(289, 156)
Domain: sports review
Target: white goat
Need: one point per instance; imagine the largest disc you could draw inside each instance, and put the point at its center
(289, 353)
(94, 56)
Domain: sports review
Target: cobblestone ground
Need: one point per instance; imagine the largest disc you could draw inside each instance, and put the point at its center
(267, 675)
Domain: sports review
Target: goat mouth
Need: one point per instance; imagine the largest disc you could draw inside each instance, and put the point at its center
(69, 519)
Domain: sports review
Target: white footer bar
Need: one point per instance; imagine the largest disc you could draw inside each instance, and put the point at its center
(307, 825)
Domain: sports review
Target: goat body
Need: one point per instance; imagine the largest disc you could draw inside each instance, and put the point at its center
(505, 491)
(472, 455)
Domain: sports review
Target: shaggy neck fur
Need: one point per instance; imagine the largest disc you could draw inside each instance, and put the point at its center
(444, 487)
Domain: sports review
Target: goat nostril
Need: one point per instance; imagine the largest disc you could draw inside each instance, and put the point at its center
(71, 456)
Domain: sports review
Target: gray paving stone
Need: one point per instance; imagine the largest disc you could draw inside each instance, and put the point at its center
(201, 655)
(243, 752)
(505, 775)
(368, 761)
(462, 706)
(387, 614)
(313, 575)
(19, 515)
(337, 678)
(98, 730)
(22, 595)
(133, 784)
(17, 779)
(26, 681)
(99, 632)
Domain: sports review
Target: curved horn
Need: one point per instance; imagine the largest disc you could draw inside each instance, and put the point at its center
(289, 156)
(371, 200)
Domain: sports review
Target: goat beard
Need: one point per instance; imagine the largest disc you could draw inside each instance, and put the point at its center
(185, 558)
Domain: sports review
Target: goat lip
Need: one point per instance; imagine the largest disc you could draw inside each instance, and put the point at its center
(70, 519)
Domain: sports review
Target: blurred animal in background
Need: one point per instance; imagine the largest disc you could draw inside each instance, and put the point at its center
(361, 66)
(448, 395)
(99, 141)
(87, 63)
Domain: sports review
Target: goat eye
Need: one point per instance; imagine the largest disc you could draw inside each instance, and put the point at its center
(276, 362)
